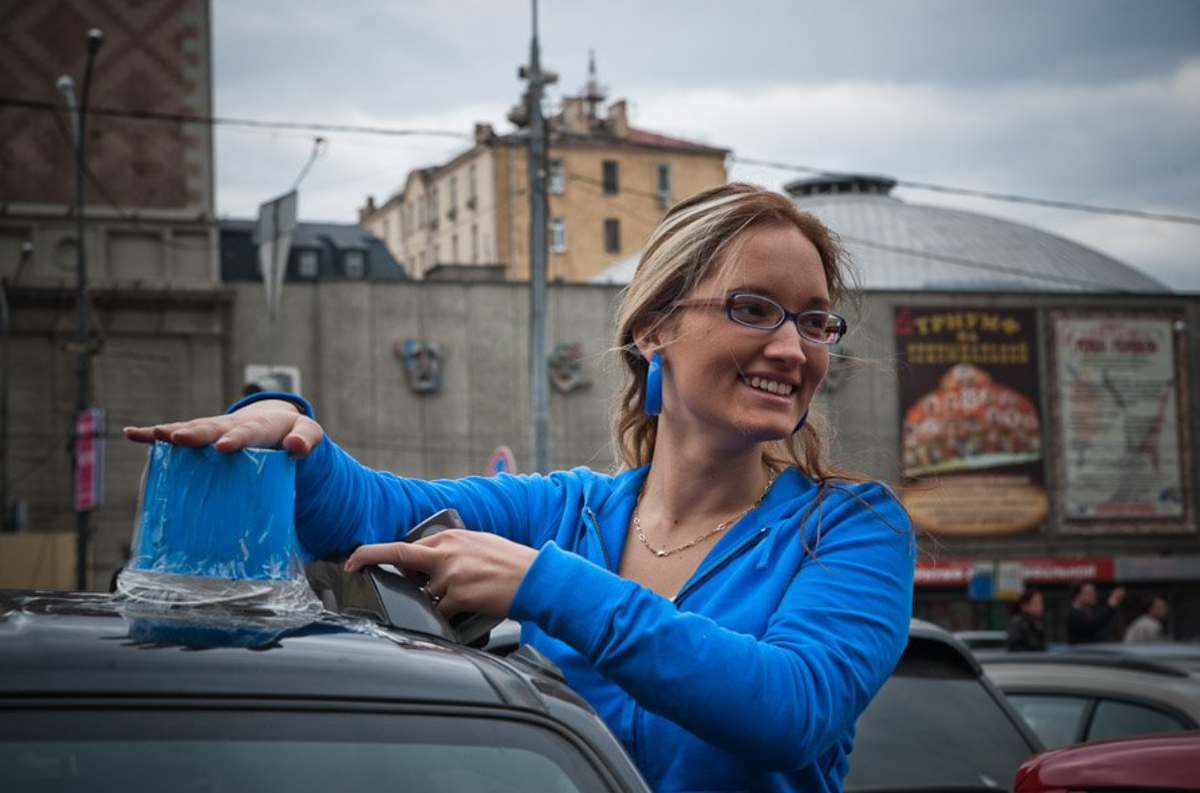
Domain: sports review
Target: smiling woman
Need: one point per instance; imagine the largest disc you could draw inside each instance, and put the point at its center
(727, 603)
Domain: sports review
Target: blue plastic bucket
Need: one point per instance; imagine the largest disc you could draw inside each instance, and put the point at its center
(209, 514)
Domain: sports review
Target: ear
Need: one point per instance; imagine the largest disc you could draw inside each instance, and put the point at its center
(647, 338)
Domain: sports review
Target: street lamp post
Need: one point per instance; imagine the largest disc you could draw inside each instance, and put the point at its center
(95, 37)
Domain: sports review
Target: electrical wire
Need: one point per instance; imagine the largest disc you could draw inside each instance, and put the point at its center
(1077, 206)
(213, 121)
(988, 194)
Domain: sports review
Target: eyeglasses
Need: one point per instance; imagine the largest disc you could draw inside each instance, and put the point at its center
(763, 313)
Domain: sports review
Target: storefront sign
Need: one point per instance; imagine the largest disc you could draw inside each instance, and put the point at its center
(972, 432)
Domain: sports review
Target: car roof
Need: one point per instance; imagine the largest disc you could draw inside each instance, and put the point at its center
(1185, 655)
(1113, 676)
(1155, 762)
(96, 644)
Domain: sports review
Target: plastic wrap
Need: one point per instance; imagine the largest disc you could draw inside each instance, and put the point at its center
(218, 529)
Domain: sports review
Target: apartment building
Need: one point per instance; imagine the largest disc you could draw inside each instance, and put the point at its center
(609, 184)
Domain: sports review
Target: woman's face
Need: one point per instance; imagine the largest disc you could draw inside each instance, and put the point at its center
(734, 384)
(1035, 607)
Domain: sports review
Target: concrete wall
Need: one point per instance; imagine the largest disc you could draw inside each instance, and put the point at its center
(181, 354)
(343, 338)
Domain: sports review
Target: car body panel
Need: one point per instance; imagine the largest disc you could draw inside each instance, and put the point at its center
(938, 724)
(72, 657)
(1159, 763)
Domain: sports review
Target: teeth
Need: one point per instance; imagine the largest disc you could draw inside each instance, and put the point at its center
(770, 386)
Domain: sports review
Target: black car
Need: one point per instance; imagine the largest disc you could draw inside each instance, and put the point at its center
(106, 693)
(938, 724)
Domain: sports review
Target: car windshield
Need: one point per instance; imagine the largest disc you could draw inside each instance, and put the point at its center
(187, 750)
(934, 725)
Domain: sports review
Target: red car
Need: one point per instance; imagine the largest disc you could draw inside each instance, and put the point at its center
(1161, 763)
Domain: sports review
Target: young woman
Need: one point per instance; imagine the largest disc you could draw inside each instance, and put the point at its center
(727, 603)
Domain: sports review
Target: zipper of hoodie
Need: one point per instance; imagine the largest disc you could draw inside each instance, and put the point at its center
(603, 549)
(746, 545)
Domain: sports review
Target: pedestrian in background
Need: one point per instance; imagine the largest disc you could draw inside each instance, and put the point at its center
(1151, 625)
(1087, 618)
(727, 602)
(1026, 632)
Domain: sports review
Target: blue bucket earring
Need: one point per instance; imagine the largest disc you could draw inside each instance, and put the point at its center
(800, 423)
(653, 403)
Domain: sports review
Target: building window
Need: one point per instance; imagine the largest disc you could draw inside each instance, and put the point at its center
(611, 183)
(612, 235)
(557, 177)
(453, 192)
(306, 264)
(471, 188)
(355, 263)
(474, 244)
(664, 183)
(454, 249)
(558, 235)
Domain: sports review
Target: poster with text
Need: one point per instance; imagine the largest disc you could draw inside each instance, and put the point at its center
(1117, 413)
(972, 429)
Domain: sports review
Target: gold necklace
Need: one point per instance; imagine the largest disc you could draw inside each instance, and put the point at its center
(664, 552)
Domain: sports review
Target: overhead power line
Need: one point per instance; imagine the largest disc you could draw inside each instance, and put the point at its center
(181, 118)
(988, 194)
(296, 126)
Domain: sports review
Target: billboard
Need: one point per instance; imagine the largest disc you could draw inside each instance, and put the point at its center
(972, 434)
(1122, 459)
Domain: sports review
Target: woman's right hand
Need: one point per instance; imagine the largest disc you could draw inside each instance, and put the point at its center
(269, 424)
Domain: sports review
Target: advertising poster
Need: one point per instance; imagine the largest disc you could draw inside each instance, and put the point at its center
(1118, 424)
(971, 427)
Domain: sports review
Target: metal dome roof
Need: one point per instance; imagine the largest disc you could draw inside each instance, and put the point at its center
(910, 247)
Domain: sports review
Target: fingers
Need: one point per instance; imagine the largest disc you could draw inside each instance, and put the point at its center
(304, 437)
(197, 432)
(263, 425)
(405, 555)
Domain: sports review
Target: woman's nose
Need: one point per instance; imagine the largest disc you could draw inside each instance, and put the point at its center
(786, 342)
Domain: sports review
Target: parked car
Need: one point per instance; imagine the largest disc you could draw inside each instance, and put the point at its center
(1159, 763)
(1073, 697)
(938, 724)
(982, 640)
(101, 693)
(1185, 655)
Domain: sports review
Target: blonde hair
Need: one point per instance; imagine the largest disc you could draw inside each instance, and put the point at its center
(688, 245)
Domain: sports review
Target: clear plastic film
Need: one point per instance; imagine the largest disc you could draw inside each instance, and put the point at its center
(218, 530)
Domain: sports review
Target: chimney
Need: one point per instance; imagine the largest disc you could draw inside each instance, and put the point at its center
(484, 134)
(575, 115)
(365, 212)
(618, 119)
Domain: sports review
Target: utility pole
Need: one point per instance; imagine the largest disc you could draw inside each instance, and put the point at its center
(539, 374)
(95, 37)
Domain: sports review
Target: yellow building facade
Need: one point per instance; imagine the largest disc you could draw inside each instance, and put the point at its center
(608, 186)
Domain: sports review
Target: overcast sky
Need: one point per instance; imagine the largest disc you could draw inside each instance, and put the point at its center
(1090, 101)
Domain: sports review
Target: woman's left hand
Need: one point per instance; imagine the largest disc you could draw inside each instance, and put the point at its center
(467, 570)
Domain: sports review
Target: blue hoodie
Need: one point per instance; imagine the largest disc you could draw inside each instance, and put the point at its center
(751, 678)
